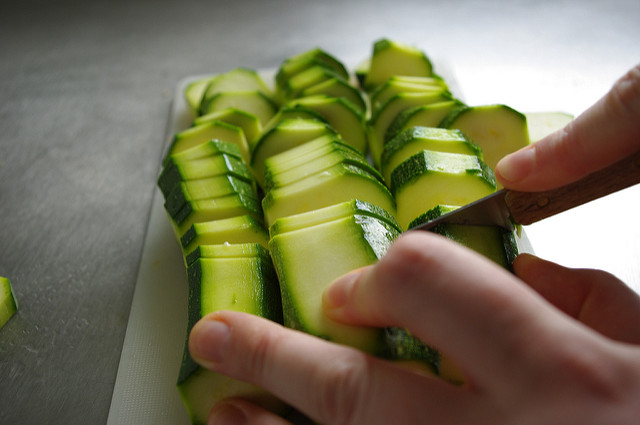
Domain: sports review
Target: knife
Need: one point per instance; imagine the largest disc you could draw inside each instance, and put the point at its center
(506, 208)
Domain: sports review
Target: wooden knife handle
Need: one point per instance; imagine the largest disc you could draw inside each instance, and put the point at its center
(530, 207)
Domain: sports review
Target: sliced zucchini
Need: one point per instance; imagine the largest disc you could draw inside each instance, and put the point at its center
(216, 165)
(249, 123)
(421, 116)
(305, 79)
(379, 122)
(541, 124)
(214, 130)
(308, 259)
(195, 90)
(233, 230)
(339, 183)
(398, 84)
(390, 58)
(215, 209)
(227, 277)
(306, 152)
(417, 139)
(432, 178)
(333, 212)
(308, 59)
(494, 242)
(497, 129)
(337, 87)
(283, 136)
(209, 148)
(341, 115)
(207, 188)
(8, 302)
(275, 178)
(239, 79)
(253, 102)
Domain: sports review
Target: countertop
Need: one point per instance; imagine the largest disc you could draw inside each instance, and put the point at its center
(85, 94)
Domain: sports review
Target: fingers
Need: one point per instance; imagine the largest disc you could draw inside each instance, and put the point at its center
(241, 412)
(330, 383)
(449, 297)
(605, 133)
(595, 298)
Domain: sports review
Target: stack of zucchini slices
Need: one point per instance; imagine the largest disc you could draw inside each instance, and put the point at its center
(278, 189)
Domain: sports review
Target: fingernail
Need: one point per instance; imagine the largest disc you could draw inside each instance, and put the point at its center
(337, 294)
(227, 414)
(516, 166)
(209, 341)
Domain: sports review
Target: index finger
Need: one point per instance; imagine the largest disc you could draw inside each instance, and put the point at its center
(605, 133)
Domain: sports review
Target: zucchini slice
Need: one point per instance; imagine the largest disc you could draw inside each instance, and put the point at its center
(226, 277)
(432, 178)
(8, 302)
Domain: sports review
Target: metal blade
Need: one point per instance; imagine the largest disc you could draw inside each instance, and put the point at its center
(491, 210)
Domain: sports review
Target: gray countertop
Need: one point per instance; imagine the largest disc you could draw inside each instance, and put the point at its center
(85, 94)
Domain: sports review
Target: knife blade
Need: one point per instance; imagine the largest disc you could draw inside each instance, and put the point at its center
(506, 208)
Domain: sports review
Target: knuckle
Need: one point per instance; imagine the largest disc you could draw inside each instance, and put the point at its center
(343, 385)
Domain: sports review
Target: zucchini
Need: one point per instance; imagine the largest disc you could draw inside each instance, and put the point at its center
(301, 257)
(232, 230)
(194, 91)
(8, 302)
(177, 171)
(239, 79)
(390, 58)
(337, 87)
(398, 84)
(284, 136)
(380, 121)
(249, 123)
(333, 212)
(215, 209)
(305, 79)
(276, 178)
(308, 59)
(541, 124)
(253, 102)
(417, 139)
(421, 116)
(214, 130)
(497, 129)
(309, 151)
(207, 188)
(341, 115)
(432, 178)
(237, 277)
(340, 183)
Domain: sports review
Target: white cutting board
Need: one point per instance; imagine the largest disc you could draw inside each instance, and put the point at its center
(145, 389)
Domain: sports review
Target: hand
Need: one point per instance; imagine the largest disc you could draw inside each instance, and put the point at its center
(603, 134)
(525, 360)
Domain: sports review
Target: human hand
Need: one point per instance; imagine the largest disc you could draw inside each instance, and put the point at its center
(606, 132)
(525, 361)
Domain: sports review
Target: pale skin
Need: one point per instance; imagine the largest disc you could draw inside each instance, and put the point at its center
(544, 345)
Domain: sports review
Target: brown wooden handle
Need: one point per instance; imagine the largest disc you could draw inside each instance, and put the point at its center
(530, 207)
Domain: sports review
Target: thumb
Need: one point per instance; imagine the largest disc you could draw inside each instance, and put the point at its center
(605, 133)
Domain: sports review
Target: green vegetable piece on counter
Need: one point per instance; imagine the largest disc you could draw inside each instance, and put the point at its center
(8, 302)
(249, 123)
